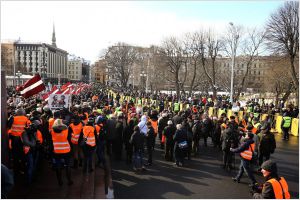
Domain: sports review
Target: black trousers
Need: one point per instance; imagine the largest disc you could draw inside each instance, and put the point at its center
(169, 150)
(261, 157)
(227, 158)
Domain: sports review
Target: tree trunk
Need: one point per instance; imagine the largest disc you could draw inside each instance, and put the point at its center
(288, 92)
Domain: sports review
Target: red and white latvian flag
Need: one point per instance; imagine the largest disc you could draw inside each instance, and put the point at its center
(32, 86)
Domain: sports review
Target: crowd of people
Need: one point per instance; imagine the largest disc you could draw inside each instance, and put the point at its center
(101, 123)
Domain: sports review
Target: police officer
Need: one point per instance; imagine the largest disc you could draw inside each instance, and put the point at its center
(275, 187)
(285, 125)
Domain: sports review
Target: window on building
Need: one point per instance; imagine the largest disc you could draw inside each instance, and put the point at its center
(258, 72)
(254, 72)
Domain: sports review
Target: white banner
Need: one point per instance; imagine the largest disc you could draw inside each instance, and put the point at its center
(57, 101)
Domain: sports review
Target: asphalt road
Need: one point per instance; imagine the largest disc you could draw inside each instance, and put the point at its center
(202, 177)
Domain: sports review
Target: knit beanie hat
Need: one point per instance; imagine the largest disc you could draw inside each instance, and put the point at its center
(58, 123)
(269, 166)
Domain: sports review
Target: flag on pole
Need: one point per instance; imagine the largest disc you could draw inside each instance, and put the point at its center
(33, 86)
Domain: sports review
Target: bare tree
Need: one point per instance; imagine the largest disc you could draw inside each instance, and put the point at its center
(119, 59)
(213, 48)
(173, 52)
(276, 79)
(251, 50)
(283, 36)
(231, 44)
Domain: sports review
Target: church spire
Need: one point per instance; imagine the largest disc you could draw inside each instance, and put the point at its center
(53, 37)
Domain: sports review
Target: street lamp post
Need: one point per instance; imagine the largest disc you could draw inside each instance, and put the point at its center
(19, 74)
(147, 78)
(233, 48)
(59, 80)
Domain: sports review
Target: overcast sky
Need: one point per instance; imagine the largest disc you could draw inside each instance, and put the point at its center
(84, 28)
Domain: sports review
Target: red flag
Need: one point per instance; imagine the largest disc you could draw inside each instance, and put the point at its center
(65, 86)
(32, 86)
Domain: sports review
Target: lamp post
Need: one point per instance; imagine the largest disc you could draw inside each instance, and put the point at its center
(59, 75)
(147, 78)
(235, 38)
(19, 74)
(43, 70)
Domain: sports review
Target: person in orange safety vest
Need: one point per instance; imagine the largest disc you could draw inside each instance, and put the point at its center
(32, 140)
(87, 140)
(246, 151)
(75, 129)
(61, 150)
(275, 187)
(16, 126)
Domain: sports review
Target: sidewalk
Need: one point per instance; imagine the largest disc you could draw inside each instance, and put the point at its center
(45, 186)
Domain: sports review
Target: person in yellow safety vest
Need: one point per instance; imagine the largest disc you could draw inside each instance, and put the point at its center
(176, 107)
(246, 151)
(275, 187)
(87, 140)
(75, 129)
(250, 118)
(256, 115)
(16, 126)
(61, 150)
(285, 126)
(256, 126)
(32, 140)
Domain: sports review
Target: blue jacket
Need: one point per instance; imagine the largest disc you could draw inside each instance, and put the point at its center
(243, 147)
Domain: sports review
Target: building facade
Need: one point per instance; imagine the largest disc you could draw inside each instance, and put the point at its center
(30, 58)
(100, 72)
(74, 70)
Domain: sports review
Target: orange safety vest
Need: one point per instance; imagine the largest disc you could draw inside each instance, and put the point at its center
(94, 98)
(39, 137)
(98, 128)
(51, 122)
(254, 130)
(154, 124)
(87, 118)
(247, 154)
(60, 142)
(280, 188)
(88, 134)
(224, 125)
(20, 122)
(244, 123)
(195, 110)
(237, 120)
(76, 130)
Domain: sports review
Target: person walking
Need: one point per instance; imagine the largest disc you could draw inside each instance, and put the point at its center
(246, 151)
